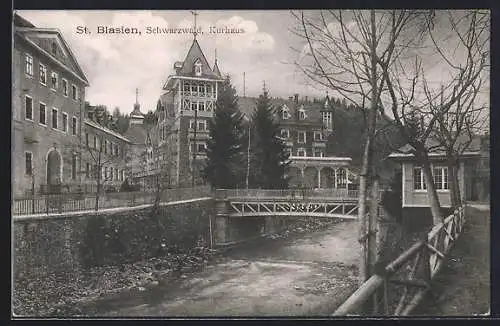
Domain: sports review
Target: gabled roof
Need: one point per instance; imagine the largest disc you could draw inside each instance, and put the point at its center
(313, 110)
(471, 150)
(106, 130)
(196, 54)
(38, 38)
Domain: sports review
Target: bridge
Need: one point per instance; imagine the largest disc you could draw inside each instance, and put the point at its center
(272, 207)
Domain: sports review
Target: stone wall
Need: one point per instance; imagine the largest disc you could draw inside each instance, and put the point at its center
(76, 243)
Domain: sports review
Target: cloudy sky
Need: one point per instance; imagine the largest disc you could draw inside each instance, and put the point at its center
(118, 64)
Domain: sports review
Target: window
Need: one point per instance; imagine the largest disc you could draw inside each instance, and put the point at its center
(28, 65)
(54, 118)
(202, 147)
(318, 136)
(65, 122)
(94, 172)
(87, 170)
(28, 170)
(209, 90)
(440, 175)
(95, 142)
(28, 108)
(42, 114)
(73, 167)
(194, 106)
(54, 82)
(87, 139)
(74, 92)
(318, 153)
(418, 179)
(290, 151)
(301, 137)
(43, 75)
(105, 173)
(197, 68)
(285, 133)
(186, 87)
(327, 119)
(285, 113)
(73, 126)
(116, 150)
(202, 125)
(191, 124)
(341, 176)
(301, 152)
(123, 174)
(201, 106)
(65, 87)
(302, 114)
(105, 147)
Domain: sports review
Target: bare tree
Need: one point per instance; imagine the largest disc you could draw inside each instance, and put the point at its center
(343, 52)
(100, 156)
(418, 115)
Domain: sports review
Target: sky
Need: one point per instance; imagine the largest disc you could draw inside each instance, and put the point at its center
(116, 65)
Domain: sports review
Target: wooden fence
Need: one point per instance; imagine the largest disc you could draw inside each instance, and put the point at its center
(399, 287)
(62, 203)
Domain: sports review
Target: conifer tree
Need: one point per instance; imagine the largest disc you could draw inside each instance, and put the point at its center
(270, 160)
(225, 159)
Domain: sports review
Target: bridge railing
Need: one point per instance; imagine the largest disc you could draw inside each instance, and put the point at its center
(288, 193)
(400, 286)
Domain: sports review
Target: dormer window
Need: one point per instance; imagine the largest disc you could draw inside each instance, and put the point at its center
(302, 114)
(197, 68)
(285, 113)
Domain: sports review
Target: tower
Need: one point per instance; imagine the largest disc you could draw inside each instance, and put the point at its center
(189, 98)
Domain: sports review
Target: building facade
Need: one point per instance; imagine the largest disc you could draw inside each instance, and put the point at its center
(48, 97)
(106, 152)
(185, 107)
(304, 128)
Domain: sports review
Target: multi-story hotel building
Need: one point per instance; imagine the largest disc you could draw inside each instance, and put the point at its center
(48, 94)
(188, 102)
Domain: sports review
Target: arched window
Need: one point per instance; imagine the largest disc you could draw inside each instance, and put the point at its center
(197, 68)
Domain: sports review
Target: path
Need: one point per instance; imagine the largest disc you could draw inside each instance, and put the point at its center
(310, 275)
(462, 287)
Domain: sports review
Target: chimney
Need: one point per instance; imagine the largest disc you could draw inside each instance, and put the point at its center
(296, 98)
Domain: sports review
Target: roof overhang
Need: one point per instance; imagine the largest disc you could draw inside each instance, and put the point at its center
(437, 155)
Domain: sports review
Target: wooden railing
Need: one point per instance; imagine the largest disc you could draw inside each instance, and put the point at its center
(62, 203)
(399, 287)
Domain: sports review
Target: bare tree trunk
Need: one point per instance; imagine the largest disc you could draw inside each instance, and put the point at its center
(454, 184)
(431, 190)
(363, 192)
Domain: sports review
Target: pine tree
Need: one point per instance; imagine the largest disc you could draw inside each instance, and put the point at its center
(270, 160)
(225, 159)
